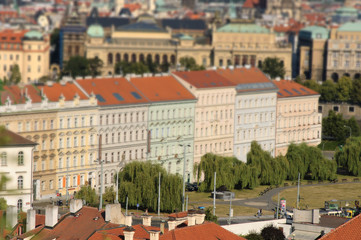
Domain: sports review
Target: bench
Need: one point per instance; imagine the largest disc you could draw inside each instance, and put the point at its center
(285, 185)
(344, 180)
(356, 179)
(309, 182)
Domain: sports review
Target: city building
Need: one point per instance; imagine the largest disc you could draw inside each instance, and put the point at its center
(16, 154)
(142, 41)
(123, 118)
(170, 122)
(241, 44)
(298, 120)
(29, 50)
(60, 118)
(214, 111)
(311, 54)
(285, 8)
(344, 52)
(255, 110)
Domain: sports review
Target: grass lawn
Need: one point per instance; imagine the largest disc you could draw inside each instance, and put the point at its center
(328, 145)
(314, 197)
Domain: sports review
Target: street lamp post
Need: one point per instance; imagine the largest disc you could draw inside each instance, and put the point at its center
(349, 128)
(184, 172)
(117, 183)
(101, 183)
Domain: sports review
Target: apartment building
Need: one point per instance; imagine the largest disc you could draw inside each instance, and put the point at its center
(214, 111)
(298, 119)
(30, 50)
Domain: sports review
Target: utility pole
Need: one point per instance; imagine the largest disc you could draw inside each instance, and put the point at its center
(101, 172)
(67, 180)
(159, 195)
(214, 193)
(187, 203)
(126, 207)
(230, 209)
(298, 191)
(117, 184)
(184, 173)
(278, 204)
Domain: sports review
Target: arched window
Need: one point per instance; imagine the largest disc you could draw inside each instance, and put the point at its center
(149, 58)
(117, 57)
(20, 205)
(20, 182)
(141, 57)
(21, 158)
(134, 57)
(334, 77)
(126, 57)
(157, 59)
(172, 59)
(110, 58)
(4, 159)
(165, 59)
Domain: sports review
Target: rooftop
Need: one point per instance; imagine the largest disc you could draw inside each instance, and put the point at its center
(69, 90)
(350, 230)
(292, 89)
(204, 79)
(12, 36)
(314, 32)
(162, 88)
(350, 27)
(112, 91)
(9, 138)
(243, 28)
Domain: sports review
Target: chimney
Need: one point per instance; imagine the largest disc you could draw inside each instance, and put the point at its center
(278, 79)
(200, 218)
(30, 220)
(11, 216)
(162, 226)
(128, 233)
(147, 220)
(75, 205)
(128, 220)
(154, 235)
(113, 214)
(171, 225)
(315, 216)
(191, 220)
(51, 215)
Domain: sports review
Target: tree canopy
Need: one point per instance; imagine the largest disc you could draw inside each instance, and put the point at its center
(274, 67)
(78, 66)
(189, 63)
(130, 67)
(349, 156)
(88, 194)
(139, 181)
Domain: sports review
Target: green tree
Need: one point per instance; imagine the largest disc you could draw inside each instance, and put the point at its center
(76, 66)
(253, 236)
(274, 67)
(139, 181)
(95, 65)
(356, 91)
(125, 68)
(349, 157)
(355, 128)
(328, 91)
(333, 127)
(343, 87)
(312, 84)
(209, 215)
(109, 195)
(15, 75)
(272, 233)
(88, 194)
(189, 63)
(3, 204)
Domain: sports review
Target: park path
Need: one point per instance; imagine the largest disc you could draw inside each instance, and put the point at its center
(265, 201)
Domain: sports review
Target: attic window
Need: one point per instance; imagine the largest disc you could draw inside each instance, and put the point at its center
(100, 98)
(288, 92)
(93, 84)
(296, 91)
(116, 83)
(136, 95)
(117, 96)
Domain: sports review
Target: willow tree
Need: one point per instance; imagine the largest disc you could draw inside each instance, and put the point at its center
(295, 156)
(139, 182)
(225, 168)
(349, 156)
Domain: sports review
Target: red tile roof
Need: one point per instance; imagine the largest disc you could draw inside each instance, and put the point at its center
(79, 226)
(12, 139)
(17, 95)
(244, 75)
(250, 3)
(205, 231)
(204, 79)
(292, 89)
(178, 215)
(12, 36)
(163, 88)
(350, 230)
(68, 90)
(109, 88)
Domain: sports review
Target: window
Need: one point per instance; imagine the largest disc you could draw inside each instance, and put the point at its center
(21, 158)
(20, 182)
(60, 142)
(74, 181)
(319, 109)
(335, 108)
(91, 121)
(36, 125)
(51, 164)
(82, 161)
(68, 123)
(20, 126)
(75, 161)
(43, 145)
(51, 184)
(61, 123)
(3, 159)
(42, 185)
(82, 141)
(76, 122)
(68, 142)
(51, 124)
(82, 121)
(351, 109)
(43, 165)
(51, 144)
(60, 183)
(27, 126)
(20, 205)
